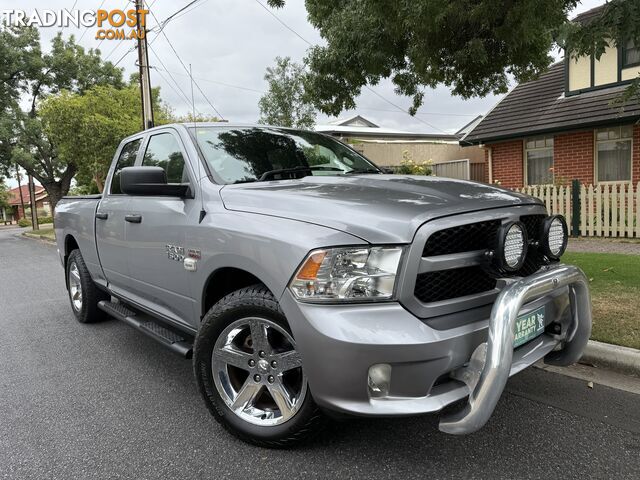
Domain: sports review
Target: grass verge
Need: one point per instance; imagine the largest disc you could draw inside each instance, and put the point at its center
(615, 293)
(44, 233)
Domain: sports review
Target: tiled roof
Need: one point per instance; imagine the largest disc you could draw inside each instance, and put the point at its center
(539, 106)
(14, 194)
(586, 17)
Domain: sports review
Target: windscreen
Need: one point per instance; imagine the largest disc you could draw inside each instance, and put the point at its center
(240, 155)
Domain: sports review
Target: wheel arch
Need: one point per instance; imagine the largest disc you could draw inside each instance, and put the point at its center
(223, 281)
(70, 244)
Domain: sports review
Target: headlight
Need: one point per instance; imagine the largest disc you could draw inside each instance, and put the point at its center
(512, 246)
(347, 274)
(555, 236)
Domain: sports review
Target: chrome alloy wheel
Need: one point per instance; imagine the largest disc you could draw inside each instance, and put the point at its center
(75, 287)
(258, 372)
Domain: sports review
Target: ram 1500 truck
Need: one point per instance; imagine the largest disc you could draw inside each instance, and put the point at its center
(303, 280)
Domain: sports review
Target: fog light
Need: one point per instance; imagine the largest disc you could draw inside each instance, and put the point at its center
(555, 235)
(512, 247)
(379, 380)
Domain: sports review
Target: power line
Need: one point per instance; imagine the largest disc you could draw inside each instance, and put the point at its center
(191, 9)
(230, 85)
(72, 7)
(123, 56)
(402, 109)
(441, 114)
(265, 8)
(187, 70)
(118, 45)
(125, 6)
(159, 27)
(86, 29)
(179, 90)
(168, 19)
(121, 42)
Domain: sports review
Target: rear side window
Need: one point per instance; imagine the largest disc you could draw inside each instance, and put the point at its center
(164, 151)
(127, 158)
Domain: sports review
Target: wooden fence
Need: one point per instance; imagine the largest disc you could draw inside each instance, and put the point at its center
(605, 210)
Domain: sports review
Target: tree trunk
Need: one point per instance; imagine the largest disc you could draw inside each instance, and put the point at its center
(56, 189)
(98, 179)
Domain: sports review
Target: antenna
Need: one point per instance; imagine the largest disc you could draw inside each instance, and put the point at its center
(203, 212)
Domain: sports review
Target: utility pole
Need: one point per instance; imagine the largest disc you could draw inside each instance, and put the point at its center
(143, 63)
(24, 212)
(32, 201)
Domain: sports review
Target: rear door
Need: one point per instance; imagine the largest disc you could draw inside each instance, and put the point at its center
(157, 245)
(110, 221)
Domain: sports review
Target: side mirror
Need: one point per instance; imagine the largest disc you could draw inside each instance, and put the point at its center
(150, 181)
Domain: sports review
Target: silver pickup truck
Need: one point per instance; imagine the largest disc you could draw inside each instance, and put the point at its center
(305, 281)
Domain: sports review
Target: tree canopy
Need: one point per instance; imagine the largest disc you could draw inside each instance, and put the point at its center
(471, 46)
(30, 74)
(285, 103)
(87, 128)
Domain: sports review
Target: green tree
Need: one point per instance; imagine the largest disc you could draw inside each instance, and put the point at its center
(471, 46)
(199, 118)
(285, 103)
(87, 128)
(31, 75)
(4, 194)
(20, 62)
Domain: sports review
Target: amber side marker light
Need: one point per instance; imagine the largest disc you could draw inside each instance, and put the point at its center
(309, 271)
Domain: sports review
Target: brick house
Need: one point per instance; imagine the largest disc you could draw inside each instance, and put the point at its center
(563, 125)
(15, 212)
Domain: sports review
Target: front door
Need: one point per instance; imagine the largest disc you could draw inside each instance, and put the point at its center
(110, 222)
(157, 236)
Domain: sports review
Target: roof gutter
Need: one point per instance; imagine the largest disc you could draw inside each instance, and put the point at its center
(559, 129)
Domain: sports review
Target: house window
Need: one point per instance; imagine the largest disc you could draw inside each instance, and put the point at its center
(630, 55)
(613, 154)
(539, 160)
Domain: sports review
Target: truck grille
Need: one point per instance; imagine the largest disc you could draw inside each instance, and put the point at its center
(445, 284)
(435, 286)
(463, 238)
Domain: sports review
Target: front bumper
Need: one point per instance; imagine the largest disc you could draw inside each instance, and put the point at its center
(433, 368)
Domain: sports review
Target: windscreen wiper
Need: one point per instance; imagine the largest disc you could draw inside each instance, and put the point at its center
(268, 175)
(364, 170)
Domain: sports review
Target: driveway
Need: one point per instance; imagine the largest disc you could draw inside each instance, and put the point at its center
(604, 245)
(104, 401)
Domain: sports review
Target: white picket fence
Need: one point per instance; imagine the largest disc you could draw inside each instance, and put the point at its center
(605, 210)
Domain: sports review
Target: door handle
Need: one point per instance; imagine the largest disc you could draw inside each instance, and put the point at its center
(133, 218)
(102, 215)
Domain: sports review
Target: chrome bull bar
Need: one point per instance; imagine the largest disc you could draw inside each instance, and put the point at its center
(488, 370)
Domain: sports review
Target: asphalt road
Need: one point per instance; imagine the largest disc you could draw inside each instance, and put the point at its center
(104, 401)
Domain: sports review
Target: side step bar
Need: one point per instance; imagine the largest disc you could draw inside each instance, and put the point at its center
(147, 325)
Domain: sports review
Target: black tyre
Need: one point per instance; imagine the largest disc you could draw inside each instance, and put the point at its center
(83, 293)
(250, 374)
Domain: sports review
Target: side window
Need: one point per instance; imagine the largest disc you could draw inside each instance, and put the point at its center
(164, 151)
(126, 159)
(630, 55)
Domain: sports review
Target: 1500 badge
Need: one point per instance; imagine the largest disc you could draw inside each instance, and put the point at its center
(175, 252)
